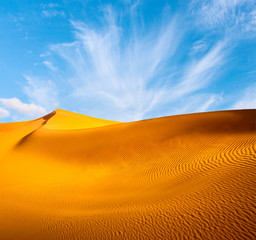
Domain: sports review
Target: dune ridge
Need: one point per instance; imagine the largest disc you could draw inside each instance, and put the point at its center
(66, 120)
(70, 176)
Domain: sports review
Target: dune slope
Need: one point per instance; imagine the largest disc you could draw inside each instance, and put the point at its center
(66, 120)
(69, 176)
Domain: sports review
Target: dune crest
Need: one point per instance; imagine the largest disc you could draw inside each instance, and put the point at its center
(65, 120)
(70, 176)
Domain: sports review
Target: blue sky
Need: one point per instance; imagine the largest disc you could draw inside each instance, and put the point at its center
(126, 60)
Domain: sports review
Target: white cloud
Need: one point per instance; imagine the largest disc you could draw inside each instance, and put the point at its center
(247, 100)
(23, 109)
(250, 26)
(118, 72)
(46, 54)
(229, 15)
(52, 5)
(132, 75)
(195, 103)
(199, 47)
(207, 103)
(49, 5)
(200, 73)
(123, 68)
(41, 92)
(49, 65)
(4, 113)
(53, 13)
(52, 10)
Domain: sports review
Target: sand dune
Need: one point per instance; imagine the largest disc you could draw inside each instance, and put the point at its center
(69, 176)
(66, 120)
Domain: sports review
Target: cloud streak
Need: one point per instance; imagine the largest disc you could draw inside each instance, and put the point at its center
(247, 100)
(49, 65)
(131, 75)
(235, 17)
(115, 70)
(200, 73)
(41, 92)
(120, 68)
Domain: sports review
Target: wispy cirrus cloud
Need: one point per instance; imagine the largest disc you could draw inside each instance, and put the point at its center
(43, 93)
(53, 13)
(199, 47)
(235, 17)
(131, 75)
(250, 26)
(52, 10)
(49, 65)
(214, 13)
(200, 73)
(196, 103)
(120, 68)
(115, 70)
(247, 99)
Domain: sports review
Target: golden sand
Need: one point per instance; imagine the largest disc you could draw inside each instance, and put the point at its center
(69, 176)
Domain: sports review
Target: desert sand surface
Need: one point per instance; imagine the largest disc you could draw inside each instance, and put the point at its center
(69, 176)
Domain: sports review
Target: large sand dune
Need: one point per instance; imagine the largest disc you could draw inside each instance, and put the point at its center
(69, 176)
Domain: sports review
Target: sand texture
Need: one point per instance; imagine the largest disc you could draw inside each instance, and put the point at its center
(69, 176)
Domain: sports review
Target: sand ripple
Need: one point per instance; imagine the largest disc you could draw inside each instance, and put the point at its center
(181, 177)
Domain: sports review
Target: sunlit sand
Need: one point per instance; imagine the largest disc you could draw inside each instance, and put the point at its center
(69, 176)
